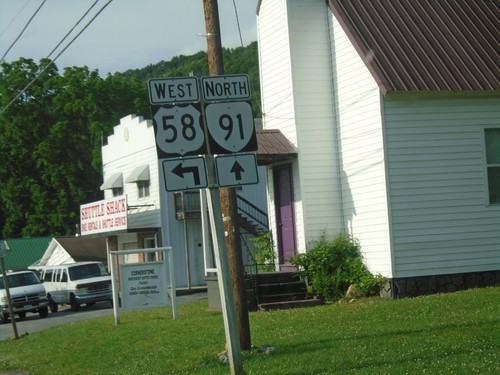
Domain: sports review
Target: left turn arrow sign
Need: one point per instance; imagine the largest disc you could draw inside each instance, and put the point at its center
(185, 173)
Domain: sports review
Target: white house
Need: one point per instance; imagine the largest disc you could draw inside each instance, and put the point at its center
(394, 110)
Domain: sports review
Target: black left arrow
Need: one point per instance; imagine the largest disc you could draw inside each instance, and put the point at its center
(179, 170)
(237, 169)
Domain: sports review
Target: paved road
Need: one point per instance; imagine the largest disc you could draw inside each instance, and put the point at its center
(33, 323)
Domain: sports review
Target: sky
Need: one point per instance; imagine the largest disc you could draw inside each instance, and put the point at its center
(127, 34)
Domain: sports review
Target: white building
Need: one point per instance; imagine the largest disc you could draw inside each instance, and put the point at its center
(156, 217)
(394, 109)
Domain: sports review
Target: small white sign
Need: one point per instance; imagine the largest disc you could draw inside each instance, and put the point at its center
(185, 173)
(236, 169)
(231, 127)
(143, 285)
(108, 215)
(173, 90)
(179, 131)
(225, 87)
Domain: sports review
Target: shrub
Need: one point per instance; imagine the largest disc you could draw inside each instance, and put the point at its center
(330, 266)
(264, 255)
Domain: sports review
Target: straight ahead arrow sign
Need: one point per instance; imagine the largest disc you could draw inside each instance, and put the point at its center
(237, 169)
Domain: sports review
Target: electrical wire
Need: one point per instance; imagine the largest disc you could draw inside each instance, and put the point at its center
(238, 21)
(55, 58)
(22, 31)
(14, 18)
(69, 32)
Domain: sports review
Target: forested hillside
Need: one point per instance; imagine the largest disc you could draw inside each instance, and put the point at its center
(236, 61)
(52, 131)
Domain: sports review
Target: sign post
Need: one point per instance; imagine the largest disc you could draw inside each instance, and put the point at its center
(3, 249)
(220, 122)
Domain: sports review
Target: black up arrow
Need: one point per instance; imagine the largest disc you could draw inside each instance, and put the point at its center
(180, 171)
(237, 169)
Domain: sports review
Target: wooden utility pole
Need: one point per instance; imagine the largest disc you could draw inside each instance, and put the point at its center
(228, 195)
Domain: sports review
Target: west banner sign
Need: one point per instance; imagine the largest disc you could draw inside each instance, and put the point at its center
(108, 215)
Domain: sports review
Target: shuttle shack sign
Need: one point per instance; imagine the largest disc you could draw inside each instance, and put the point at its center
(108, 215)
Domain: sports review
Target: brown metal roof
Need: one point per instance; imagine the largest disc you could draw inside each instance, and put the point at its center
(425, 45)
(274, 147)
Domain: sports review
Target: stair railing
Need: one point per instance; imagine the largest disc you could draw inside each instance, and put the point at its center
(248, 210)
(251, 269)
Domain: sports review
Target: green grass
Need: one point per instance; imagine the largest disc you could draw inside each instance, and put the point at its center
(455, 333)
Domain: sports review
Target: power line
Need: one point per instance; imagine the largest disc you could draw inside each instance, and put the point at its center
(237, 21)
(55, 58)
(76, 24)
(14, 18)
(22, 31)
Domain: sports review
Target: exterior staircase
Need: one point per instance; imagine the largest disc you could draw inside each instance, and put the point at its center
(265, 290)
(282, 290)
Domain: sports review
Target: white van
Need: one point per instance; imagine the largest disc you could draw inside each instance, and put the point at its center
(77, 283)
(26, 293)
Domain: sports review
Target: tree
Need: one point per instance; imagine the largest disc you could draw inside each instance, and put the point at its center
(50, 142)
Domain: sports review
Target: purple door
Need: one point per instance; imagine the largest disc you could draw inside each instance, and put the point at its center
(283, 195)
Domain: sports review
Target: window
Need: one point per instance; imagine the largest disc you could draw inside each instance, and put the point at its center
(492, 143)
(149, 243)
(143, 189)
(117, 191)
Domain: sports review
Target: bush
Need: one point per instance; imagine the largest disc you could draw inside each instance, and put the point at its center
(264, 255)
(331, 266)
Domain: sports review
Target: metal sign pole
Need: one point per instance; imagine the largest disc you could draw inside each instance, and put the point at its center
(11, 308)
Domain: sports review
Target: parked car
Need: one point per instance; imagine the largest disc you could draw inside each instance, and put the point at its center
(27, 294)
(77, 283)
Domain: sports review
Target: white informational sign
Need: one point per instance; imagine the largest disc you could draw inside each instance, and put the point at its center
(143, 285)
(231, 127)
(225, 87)
(236, 169)
(173, 90)
(108, 215)
(185, 173)
(179, 131)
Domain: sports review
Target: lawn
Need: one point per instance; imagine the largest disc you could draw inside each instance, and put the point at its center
(457, 333)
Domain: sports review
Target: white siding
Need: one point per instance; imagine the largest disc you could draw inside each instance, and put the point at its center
(358, 114)
(296, 89)
(276, 89)
(132, 145)
(316, 136)
(275, 69)
(441, 224)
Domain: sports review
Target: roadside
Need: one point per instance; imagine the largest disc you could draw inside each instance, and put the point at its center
(33, 323)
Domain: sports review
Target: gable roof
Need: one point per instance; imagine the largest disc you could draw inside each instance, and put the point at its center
(425, 45)
(85, 249)
(24, 251)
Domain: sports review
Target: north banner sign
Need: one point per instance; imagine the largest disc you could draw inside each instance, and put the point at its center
(225, 88)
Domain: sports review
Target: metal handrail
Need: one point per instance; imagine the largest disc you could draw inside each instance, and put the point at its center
(249, 210)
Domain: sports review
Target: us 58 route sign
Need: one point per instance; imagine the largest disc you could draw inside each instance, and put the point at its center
(178, 130)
